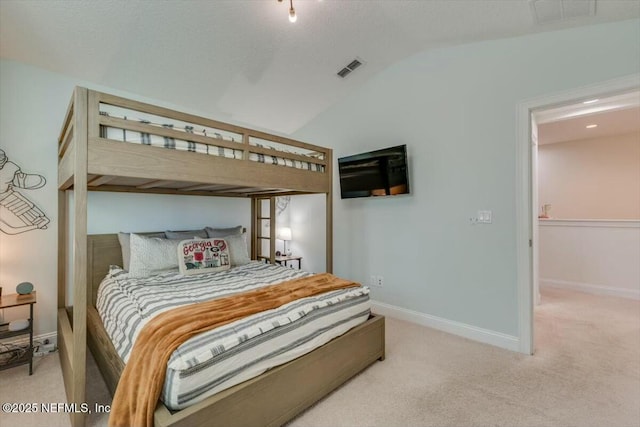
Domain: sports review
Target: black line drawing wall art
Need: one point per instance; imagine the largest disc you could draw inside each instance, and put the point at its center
(282, 203)
(17, 213)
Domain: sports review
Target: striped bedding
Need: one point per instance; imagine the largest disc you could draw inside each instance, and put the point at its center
(229, 355)
(135, 137)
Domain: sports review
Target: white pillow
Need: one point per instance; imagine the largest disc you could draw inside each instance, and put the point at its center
(238, 249)
(151, 255)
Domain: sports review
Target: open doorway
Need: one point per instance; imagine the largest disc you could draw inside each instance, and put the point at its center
(587, 187)
(527, 204)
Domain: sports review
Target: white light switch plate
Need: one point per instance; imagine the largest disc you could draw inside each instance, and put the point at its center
(485, 217)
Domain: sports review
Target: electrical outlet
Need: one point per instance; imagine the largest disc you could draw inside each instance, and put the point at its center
(44, 349)
(376, 281)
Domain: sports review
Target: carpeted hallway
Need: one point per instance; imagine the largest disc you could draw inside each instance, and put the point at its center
(586, 372)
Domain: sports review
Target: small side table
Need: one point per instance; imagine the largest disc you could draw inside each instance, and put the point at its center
(16, 300)
(285, 259)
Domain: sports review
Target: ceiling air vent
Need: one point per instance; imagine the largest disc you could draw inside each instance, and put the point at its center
(343, 73)
(349, 68)
(354, 64)
(545, 11)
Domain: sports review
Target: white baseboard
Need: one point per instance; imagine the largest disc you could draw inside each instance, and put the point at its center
(591, 289)
(486, 336)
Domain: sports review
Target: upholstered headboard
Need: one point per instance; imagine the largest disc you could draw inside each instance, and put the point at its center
(103, 250)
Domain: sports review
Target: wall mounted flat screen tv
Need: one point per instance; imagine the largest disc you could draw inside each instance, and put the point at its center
(374, 173)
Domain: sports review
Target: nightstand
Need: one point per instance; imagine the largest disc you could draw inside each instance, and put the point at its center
(16, 300)
(286, 258)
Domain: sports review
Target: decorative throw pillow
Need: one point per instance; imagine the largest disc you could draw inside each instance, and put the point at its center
(203, 256)
(151, 255)
(125, 246)
(238, 249)
(186, 235)
(223, 232)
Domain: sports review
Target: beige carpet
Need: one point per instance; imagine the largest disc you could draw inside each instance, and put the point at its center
(586, 372)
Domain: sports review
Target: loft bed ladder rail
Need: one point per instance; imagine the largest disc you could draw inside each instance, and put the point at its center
(257, 236)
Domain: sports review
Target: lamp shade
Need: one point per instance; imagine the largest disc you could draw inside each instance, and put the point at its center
(284, 233)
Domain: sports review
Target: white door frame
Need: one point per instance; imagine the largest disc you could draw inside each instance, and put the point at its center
(525, 168)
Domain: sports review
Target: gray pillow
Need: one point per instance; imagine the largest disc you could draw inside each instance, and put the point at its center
(237, 249)
(152, 255)
(125, 245)
(223, 232)
(186, 235)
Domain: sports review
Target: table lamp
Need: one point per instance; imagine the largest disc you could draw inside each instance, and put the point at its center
(284, 234)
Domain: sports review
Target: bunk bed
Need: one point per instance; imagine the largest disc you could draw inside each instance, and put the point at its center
(109, 143)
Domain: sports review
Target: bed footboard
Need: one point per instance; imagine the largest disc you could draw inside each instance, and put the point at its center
(297, 384)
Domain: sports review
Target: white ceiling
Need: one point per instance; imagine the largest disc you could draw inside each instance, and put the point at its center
(616, 114)
(241, 60)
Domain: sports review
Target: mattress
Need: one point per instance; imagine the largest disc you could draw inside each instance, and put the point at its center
(125, 135)
(223, 357)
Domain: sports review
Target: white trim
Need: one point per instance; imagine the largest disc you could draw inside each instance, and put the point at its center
(524, 228)
(591, 289)
(486, 336)
(601, 223)
(609, 104)
(524, 209)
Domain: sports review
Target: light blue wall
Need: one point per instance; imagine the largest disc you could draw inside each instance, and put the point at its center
(33, 103)
(455, 108)
(309, 242)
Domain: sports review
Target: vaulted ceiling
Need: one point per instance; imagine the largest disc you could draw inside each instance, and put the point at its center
(243, 61)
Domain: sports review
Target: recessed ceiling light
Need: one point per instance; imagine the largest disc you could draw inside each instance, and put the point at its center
(591, 101)
(591, 126)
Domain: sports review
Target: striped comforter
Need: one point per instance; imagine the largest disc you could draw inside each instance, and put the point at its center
(226, 356)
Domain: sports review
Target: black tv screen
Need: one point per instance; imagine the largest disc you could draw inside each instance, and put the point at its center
(375, 173)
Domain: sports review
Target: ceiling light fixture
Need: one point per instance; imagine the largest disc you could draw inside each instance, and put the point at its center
(292, 12)
(591, 126)
(591, 101)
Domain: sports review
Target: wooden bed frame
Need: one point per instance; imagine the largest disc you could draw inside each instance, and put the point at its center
(298, 384)
(89, 162)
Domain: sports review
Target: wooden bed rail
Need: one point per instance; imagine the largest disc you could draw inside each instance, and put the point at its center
(245, 134)
(119, 123)
(72, 328)
(250, 163)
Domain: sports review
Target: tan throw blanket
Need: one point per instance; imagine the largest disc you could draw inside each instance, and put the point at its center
(141, 382)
